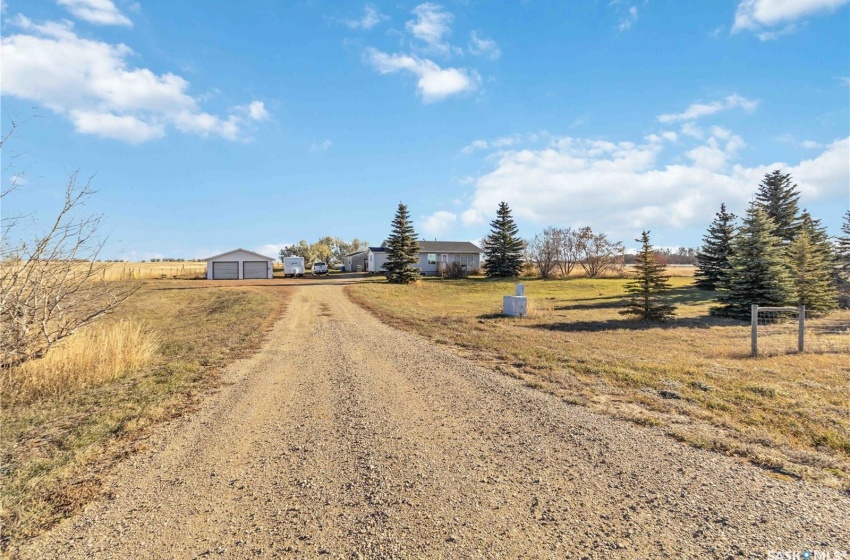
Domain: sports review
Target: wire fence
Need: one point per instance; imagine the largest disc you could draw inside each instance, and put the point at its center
(780, 331)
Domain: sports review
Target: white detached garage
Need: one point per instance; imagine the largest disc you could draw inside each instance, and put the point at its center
(239, 265)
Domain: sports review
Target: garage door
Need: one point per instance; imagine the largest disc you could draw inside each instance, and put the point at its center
(225, 270)
(255, 269)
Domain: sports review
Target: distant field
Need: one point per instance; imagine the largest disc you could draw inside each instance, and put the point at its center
(56, 445)
(141, 271)
(693, 376)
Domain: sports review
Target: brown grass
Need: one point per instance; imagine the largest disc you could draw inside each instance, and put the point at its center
(99, 353)
(141, 271)
(56, 448)
(693, 377)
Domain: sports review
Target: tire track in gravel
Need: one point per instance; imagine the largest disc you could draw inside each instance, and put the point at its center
(345, 438)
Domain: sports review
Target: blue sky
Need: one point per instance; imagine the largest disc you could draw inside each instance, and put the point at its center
(218, 124)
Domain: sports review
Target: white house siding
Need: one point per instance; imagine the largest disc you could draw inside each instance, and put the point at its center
(472, 261)
(377, 260)
(239, 256)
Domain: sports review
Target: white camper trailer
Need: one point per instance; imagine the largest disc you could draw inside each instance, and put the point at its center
(293, 266)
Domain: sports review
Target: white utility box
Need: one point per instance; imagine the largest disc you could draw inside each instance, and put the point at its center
(515, 306)
(520, 290)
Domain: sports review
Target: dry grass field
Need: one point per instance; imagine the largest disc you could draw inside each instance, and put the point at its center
(118, 271)
(691, 377)
(67, 417)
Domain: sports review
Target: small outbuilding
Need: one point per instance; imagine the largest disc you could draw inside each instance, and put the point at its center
(356, 262)
(239, 264)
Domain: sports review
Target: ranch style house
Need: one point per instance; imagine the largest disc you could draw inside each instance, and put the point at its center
(434, 256)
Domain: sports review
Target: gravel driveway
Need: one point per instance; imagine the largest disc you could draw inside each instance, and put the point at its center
(345, 438)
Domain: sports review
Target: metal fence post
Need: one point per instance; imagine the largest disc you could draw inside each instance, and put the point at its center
(754, 322)
(801, 334)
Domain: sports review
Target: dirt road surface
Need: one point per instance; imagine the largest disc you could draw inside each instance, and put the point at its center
(344, 438)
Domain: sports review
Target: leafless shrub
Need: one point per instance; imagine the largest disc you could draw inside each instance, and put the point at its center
(454, 270)
(51, 286)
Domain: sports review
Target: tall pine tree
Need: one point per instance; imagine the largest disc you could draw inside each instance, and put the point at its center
(842, 259)
(778, 196)
(811, 271)
(402, 249)
(503, 247)
(759, 272)
(648, 286)
(713, 257)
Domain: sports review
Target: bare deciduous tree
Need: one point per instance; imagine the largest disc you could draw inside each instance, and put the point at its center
(543, 251)
(598, 254)
(569, 247)
(51, 286)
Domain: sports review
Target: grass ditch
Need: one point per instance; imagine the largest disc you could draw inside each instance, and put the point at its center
(691, 377)
(57, 444)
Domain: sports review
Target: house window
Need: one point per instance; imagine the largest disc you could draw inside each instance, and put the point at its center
(465, 259)
(432, 258)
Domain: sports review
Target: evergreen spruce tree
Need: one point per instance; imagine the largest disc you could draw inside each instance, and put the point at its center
(402, 249)
(759, 272)
(779, 198)
(811, 271)
(648, 286)
(503, 248)
(842, 260)
(713, 256)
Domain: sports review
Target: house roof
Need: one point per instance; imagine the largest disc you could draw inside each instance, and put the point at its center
(439, 247)
(265, 258)
(448, 247)
(355, 254)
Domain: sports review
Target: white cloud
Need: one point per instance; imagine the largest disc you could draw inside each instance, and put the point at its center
(692, 130)
(623, 187)
(435, 83)
(475, 145)
(439, 223)
(99, 12)
(502, 141)
(777, 33)
(92, 84)
(472, 217)
(714, 154)
(431, 26)
(844, 80)
(257, 111)
(370, 18)
(269, 249)
(17, 180)
(484, 47)
(628, 18)
(805, 144)
(755, 14)
(126, 127)
(698, 110)
(321, 146)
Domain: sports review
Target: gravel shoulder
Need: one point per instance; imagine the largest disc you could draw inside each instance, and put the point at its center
(346, 438)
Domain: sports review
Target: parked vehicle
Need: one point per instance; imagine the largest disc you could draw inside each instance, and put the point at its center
(320, 268)
(293, 266)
